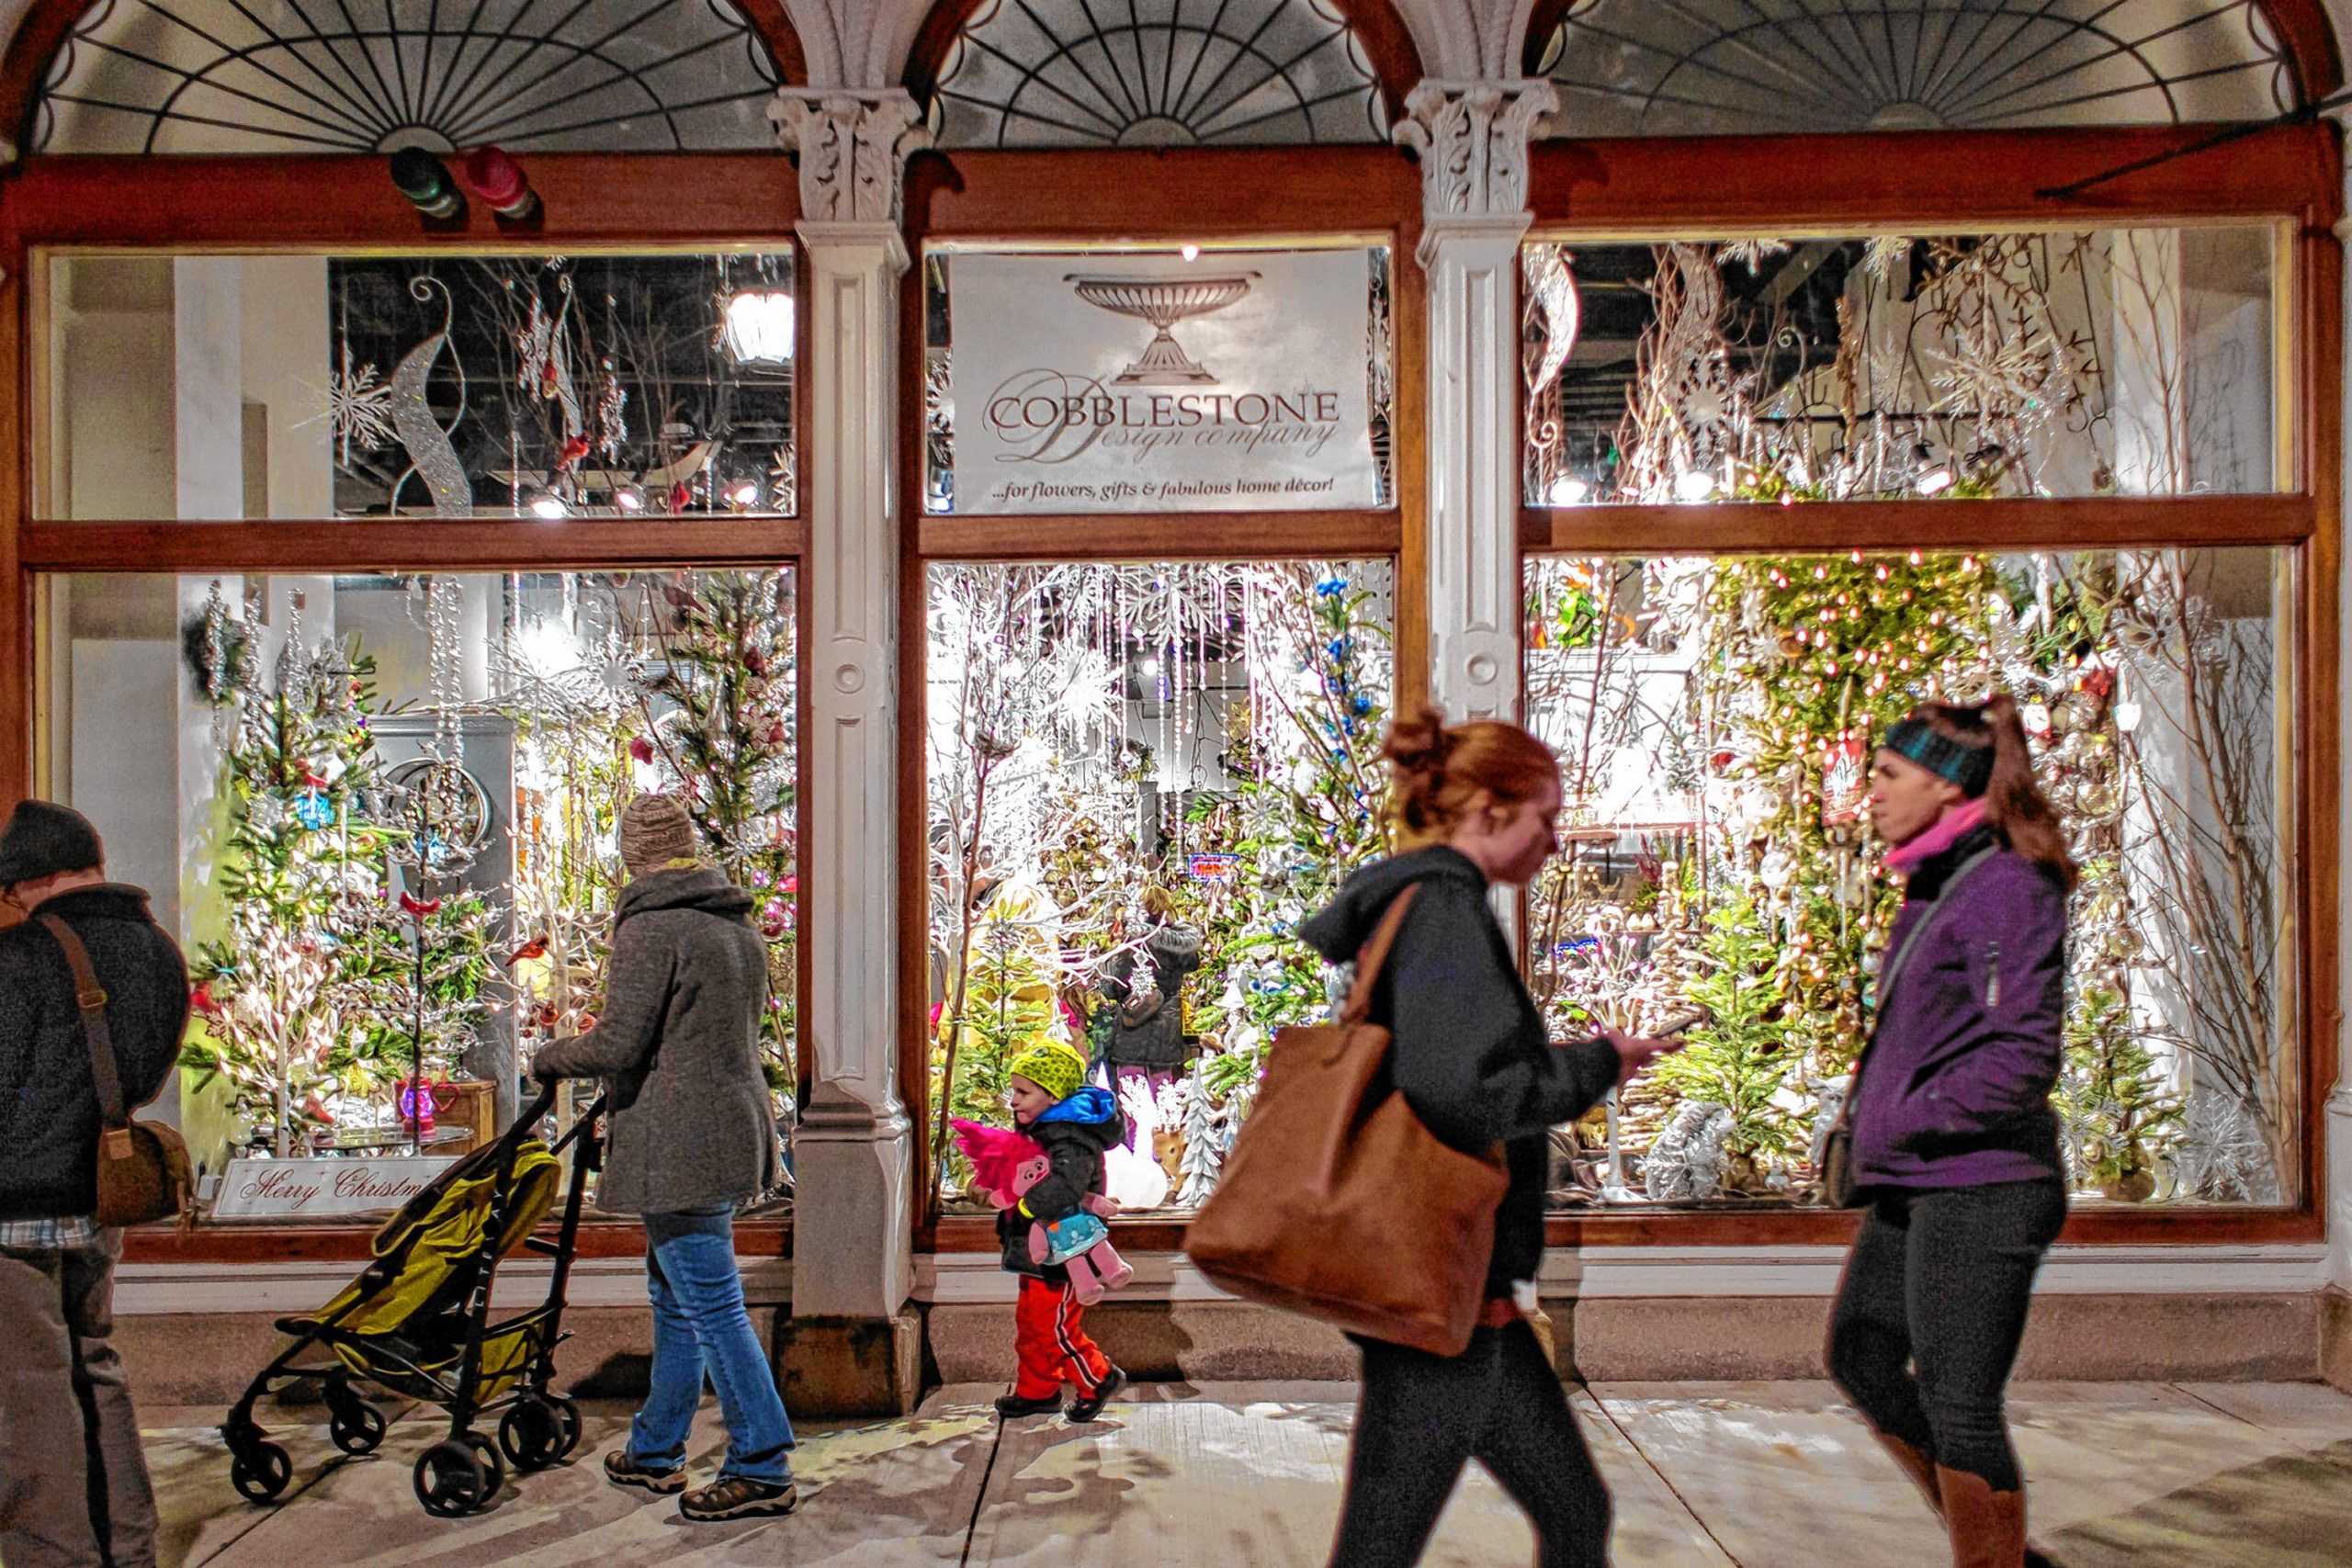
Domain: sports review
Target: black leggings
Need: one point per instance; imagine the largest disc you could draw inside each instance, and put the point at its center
(1930, 1312)
(1422, 1415)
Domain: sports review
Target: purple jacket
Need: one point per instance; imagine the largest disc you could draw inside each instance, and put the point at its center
(1955, 1091)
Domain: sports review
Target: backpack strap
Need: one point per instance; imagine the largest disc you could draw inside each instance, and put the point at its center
(91, 999)
(1375, 954)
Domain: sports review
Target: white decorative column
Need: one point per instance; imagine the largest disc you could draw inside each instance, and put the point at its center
(1471, 137)
(853, 1262)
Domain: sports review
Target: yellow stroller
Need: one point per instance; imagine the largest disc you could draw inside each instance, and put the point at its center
(416, 1323)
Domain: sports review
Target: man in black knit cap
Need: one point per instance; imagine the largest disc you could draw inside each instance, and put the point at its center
(73, 1486)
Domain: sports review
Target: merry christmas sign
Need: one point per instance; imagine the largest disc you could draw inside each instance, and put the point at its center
(1236, 381)
(305, 1189)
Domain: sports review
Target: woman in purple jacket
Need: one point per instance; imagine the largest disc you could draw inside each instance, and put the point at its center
(1955, 1147)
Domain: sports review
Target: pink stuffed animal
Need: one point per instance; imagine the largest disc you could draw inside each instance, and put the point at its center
(1006, 1163)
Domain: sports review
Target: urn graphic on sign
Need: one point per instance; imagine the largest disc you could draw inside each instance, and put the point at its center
(1162, 302)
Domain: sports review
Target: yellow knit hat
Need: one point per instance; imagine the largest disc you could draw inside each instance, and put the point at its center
(1052, 1067)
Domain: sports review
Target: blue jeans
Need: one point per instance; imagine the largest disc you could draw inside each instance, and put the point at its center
(700, 1325)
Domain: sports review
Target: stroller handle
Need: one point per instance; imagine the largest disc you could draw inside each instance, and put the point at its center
(542, 1103)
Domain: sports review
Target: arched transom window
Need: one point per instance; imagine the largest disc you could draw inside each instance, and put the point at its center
(1156, 73)
(1710, 67)
(375, 76)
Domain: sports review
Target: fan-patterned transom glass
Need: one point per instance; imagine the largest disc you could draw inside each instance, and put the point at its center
(1719, 67)
(1155, 73)
(375, 76)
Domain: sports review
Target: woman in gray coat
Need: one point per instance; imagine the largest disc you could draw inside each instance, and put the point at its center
(693, 1135)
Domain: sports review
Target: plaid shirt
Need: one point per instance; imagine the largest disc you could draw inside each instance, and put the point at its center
(49, 1236)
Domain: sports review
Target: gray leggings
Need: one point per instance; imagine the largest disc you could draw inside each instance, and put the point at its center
(1930, 1312)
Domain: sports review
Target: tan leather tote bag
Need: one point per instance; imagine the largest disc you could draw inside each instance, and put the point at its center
(1338, 1204)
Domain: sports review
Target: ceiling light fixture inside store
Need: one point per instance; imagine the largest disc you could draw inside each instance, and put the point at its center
(1191, 252)
(759, 326)
(1935, 481)
(628, 498)
(1693, 485)
(745, 494)
(1568, 491)
(550, 505)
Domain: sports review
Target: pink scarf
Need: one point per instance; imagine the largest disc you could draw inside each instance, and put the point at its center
(1950, 829)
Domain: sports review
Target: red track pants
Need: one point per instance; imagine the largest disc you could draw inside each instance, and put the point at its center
(1052, 1346)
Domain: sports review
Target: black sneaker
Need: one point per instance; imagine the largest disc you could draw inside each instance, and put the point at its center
(622, 1470)
(738, 1497)
(1012, 1406)
(1084, 1410)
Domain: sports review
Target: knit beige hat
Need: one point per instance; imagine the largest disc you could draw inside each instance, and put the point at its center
(655, 831)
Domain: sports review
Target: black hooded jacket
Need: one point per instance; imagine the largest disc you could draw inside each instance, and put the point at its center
(1076, 1133)
(1469, 1053)
(49, 1103)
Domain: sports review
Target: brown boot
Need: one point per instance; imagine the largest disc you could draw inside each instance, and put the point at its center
(1987, 1528)
(1914, 1463)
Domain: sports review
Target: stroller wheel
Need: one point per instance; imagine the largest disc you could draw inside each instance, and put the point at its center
(532, 1433)
(356, 1426)
(450, 1481)
(493, 1469)
(568, 1412)
(260, 1472)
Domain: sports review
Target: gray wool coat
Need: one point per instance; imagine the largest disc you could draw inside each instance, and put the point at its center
(691, 1122)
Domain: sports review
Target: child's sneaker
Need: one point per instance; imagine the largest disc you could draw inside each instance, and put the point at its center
(622, 1470)
(1012, 1406)
(738, 1497)
(1084, 1410)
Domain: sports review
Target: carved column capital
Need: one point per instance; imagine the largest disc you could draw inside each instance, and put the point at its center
(854, 147)
(1472, 138)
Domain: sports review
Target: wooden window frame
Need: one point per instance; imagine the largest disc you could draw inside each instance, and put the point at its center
(1273, 196)
(681, 203)
(1974, 182)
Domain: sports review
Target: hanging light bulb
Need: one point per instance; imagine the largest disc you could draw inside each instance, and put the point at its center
(758, 328)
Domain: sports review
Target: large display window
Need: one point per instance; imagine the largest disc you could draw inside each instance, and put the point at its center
(379, 810)
(1140, 779)
(374, 796)
(1714, 717)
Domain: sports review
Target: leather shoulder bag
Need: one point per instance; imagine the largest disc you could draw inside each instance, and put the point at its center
(1338, 1204)
(143, 1170)
(1838, 1188)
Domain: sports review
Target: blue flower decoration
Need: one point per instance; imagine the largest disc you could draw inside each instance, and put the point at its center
(1340, 647)
(313, 810)
(1332, 588)
(1363, 705)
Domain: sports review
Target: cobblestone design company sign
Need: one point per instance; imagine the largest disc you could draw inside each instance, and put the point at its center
(303, 1189)
(1122, 383)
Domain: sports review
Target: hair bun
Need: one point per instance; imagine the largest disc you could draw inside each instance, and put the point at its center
(1418, 744)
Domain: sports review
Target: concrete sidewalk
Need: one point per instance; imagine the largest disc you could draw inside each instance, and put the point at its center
(1762, 1475)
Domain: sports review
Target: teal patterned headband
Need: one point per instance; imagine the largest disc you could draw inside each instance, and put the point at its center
(1969, 767)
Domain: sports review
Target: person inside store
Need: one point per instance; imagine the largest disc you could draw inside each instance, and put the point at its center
(692, 1136)
(1143, 993)
(73, 1486)
(1475, 807)
(1954, 1146)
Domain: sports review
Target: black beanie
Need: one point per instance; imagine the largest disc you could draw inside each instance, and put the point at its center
(43, 839)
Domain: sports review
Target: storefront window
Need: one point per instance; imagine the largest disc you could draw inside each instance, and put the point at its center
(379, 812)
(1171, 378)
(1141, 778)
(215, 388)
(1715, 718)
(2122, 362)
